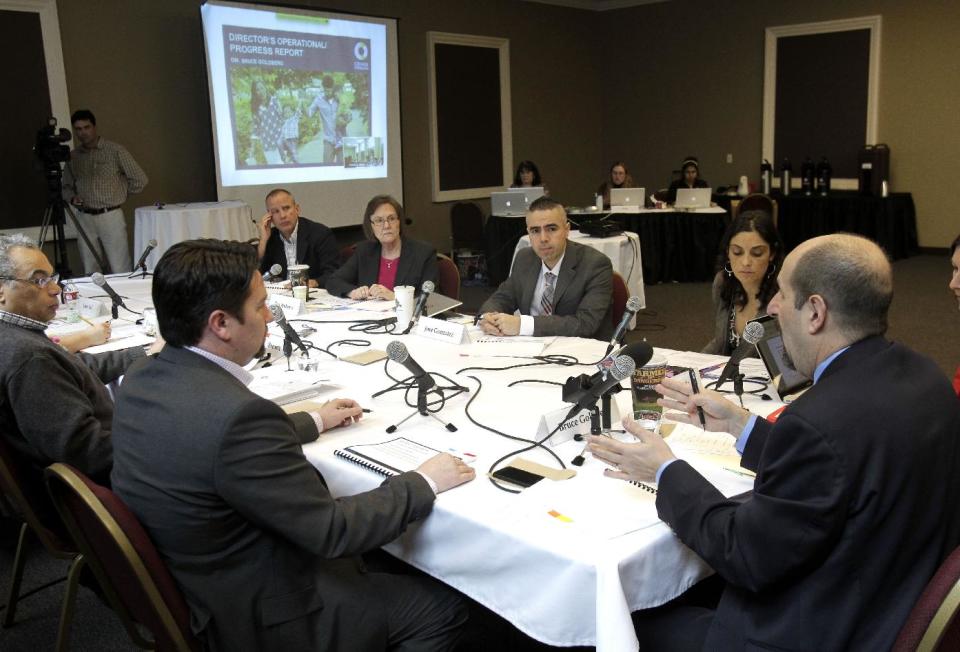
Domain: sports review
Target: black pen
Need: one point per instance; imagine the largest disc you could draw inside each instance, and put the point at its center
(696, 390)
(367, 410)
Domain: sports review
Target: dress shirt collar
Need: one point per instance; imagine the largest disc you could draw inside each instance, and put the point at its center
(556, 268)
(14, 319)
(231, 368)
(293, 234)
(826, 363)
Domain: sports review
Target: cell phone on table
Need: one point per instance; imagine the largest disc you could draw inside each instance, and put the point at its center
(516, 476)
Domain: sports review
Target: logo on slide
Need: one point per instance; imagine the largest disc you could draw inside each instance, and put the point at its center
(361, 51)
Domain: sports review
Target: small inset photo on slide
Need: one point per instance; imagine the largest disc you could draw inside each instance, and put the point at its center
(362, 152)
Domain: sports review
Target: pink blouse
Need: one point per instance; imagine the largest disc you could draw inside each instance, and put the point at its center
(388, 272)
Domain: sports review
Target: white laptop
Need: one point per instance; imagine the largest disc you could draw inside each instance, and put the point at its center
(512, 203)
(690, 199)
(533, 193)
(627, 200)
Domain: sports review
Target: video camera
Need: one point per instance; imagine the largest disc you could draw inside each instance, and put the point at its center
(48, 148)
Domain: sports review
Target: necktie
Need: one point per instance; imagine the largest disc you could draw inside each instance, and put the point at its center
(546, 301)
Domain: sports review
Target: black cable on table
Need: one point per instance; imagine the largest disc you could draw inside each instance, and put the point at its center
(533, 443)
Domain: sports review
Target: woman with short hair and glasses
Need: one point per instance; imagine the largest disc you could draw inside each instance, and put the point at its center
(386, 259)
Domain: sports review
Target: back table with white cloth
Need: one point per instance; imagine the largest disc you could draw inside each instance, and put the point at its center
(169, 224)
(565, 562)
(622, 250)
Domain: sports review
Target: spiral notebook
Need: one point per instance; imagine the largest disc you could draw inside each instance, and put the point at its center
(388, 457)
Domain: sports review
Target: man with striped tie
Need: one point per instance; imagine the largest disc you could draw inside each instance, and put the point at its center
(556, 287)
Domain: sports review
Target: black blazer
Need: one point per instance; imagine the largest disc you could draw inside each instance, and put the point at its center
(418, 263)
(855, 505)
(316, 246)
(246, 525)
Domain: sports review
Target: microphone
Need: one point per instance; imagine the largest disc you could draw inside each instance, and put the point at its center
(752, 334)
(101, 282)
(633, 305)
(425, 291)
(639, 352)
(288, 332)
(397, 351)
(274, 270)
(142, 263)
(585, 392)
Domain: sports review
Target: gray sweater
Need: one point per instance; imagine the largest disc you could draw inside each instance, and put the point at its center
(54, 406)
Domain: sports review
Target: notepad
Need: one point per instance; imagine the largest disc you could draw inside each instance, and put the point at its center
(388, 458)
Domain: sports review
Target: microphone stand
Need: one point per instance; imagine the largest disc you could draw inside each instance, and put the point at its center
(140, 270)
(421, 408)
(287, 350)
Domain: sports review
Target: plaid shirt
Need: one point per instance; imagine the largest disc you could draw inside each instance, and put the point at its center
(14, 319)
(102, 176)
(291, 128)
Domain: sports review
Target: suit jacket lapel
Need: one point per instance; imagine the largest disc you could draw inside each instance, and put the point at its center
(369, 266)
(301, 243)
(568, 271)
(405, 266)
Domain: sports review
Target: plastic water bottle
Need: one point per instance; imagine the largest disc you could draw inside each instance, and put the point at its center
(71, 299)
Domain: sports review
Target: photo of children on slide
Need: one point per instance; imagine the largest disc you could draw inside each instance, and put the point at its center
(296, 117)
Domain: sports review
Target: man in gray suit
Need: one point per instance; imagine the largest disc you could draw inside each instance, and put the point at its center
(265, 556)
(559, 287)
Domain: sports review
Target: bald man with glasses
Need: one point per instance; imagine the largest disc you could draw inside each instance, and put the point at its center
(54, 406)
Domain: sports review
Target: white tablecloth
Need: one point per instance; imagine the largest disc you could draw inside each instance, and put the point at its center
(622, 250)
(226, 220)
(565, 582)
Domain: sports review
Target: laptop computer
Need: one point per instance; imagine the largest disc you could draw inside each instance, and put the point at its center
(512, 203)
(690, 199)
(627, 200)
(787, 381)
(533, 193)
(438, 303)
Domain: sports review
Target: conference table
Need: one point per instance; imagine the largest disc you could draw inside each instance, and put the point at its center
(169, 224)
(891, 221)
(677, 245)
(623, 251)
(566, 562)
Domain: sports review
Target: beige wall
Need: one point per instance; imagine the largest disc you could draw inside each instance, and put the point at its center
(700, 68)
(146, 81)
(648, 84)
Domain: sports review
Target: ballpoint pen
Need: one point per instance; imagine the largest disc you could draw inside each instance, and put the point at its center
(696, 390)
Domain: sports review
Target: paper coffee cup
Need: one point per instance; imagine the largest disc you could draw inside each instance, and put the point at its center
(404, 297)
(300, 292)
(645, 378)
(298, 274)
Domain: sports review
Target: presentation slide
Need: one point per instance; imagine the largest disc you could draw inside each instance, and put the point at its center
(304, 100)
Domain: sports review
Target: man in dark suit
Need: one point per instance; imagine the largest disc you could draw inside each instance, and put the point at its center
(857, 496)
(288, 239)
(559, 287)
(264, 554)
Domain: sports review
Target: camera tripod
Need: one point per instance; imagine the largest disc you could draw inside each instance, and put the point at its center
(54, 217)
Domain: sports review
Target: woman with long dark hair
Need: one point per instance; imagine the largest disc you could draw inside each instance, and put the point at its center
(751, 256)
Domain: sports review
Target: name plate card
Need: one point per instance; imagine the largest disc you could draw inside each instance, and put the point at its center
(578, 424)
(90, 308)
(292, 308)
(443, 331)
